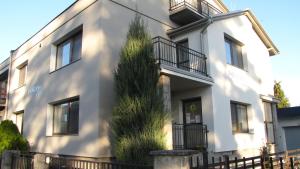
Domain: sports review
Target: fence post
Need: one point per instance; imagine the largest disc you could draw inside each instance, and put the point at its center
(7, 158)
(39, 161)
(292, 162)
(226, 164)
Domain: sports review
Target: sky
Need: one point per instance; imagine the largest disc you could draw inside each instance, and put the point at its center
(281, 19)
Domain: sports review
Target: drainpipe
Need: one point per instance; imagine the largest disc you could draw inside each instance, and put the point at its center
(8, 84)
(208, 22)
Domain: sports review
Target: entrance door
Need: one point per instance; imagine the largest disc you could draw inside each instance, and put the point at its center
(193, 128)
(192, 111)
(183, 60)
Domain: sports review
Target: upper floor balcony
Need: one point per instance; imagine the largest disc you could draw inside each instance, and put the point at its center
(179, 58)
(184, 12)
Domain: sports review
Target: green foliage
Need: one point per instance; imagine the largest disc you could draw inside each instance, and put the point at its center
(10, 137)
(139, 118)
(279, 94)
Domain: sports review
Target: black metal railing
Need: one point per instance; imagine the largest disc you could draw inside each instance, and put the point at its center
(175, 55)
(200, 6)
(189, 136)
(68, 163)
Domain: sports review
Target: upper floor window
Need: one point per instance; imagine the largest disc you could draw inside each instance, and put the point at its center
(22, 74)
(268, 118)
(234, 54)
(239, 117)
(69, 50)
(66, 117)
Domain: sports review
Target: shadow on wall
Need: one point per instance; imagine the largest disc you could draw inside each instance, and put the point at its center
(91, 78)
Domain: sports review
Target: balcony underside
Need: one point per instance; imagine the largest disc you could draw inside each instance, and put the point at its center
(185, 15)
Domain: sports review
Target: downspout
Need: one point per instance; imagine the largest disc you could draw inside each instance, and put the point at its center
(208, 22)
(8, 84)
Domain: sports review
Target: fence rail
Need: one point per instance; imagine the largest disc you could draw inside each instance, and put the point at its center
(200, 6)
(66, 163)
(175, 55)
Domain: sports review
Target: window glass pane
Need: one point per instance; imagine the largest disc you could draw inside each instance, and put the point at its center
(183, 60)
(268, 112)
(66, 52)
(19, 122)
(77, 48)
(74, 115)
(243, 123)
(61, 118)
(22, 75)
(239, 56)
(270, 132)
(234, 54)
(228, 52)
(233, 117)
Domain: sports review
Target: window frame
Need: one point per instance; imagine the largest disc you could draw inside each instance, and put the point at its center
(59, 46)
(240, 57)
(69, 101)
(238, 130)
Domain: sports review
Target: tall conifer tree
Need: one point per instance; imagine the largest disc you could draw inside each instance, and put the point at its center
(139, 118)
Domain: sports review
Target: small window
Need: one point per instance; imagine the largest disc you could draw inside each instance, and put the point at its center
(19, 120)
(268, 118)
(239, 117)
(234, 53)
(22, 74)
(69, 51)
(66, 117)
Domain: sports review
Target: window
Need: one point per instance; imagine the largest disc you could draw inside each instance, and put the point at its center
(268, 117)
(19, 121)
(66, 117)
(239, 117)
(22, 74)
(69, 51)
(234, 53)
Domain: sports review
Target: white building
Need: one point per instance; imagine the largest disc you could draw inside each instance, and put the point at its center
(215, 68)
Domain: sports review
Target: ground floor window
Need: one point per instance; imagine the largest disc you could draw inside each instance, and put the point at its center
(239, 117)
(66, 117)
(19, 120)
(269, 126)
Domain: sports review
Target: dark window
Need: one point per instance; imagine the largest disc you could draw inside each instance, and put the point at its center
(183, 60)
(234, 53)
(66, 117)
(69, 51)
(239, 117)
(22, 74)
(268, 117)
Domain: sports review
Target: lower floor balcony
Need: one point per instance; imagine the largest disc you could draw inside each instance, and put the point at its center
(189, 136)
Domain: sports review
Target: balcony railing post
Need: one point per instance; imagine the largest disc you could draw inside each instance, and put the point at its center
(159, 54)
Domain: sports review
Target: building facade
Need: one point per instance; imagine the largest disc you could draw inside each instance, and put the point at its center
(215, 72)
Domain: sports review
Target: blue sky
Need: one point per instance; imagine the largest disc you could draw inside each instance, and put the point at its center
(21, 19)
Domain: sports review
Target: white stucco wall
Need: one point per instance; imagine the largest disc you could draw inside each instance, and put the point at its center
(104, 25)
(232, 83)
